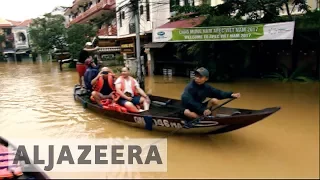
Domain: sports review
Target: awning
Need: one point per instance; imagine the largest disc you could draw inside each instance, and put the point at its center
(185, 23)
(154, 45)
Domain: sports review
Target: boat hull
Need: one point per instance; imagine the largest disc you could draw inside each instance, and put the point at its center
(165, 115)
(33, 171)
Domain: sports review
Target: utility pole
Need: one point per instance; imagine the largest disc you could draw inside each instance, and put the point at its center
(136, 13)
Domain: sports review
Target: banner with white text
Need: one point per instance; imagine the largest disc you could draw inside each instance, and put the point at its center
(85, 155)
(273, 31)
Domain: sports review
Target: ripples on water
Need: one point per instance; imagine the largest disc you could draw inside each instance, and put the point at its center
(36, 101)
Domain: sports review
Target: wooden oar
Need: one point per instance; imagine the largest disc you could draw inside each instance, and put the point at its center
(231, 99)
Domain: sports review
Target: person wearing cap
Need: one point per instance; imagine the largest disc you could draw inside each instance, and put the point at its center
(194, 95)
(84, 54)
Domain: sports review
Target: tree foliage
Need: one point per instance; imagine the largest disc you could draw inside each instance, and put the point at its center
(262, 10)
(77, 36)
(48, 32)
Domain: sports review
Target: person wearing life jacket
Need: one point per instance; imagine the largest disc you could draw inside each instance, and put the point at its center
(130, 92)
(103, 86)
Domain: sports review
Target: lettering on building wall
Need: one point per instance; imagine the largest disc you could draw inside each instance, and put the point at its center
(127, 45)
(127, 48)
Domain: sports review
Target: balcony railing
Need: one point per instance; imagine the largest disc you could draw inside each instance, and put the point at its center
(103, 4)
(107, 31)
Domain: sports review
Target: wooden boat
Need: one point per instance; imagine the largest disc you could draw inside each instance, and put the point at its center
(32, 172)
(165, 115)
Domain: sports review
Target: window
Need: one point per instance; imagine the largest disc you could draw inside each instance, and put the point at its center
(208, 2)
(141, 9)
(132, 28)
(123, 17)
(148, 10)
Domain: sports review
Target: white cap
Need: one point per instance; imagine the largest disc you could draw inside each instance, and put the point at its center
(88, 44)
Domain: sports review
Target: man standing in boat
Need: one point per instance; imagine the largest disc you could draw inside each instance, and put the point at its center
(103, 86)
(130, 92)
(83, 55)
(195, 93)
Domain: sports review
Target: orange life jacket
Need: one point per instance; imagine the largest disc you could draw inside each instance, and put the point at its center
(99, 84)
(134, 89)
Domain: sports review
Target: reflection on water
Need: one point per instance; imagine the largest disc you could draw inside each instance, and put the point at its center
(36, 100)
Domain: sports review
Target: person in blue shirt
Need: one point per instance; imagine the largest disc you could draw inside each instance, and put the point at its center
(196, 92)
(92, 71)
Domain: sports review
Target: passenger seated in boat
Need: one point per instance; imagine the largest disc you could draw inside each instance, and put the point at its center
(103, 86)
(130, 92)
(197, 91)
(92, 71)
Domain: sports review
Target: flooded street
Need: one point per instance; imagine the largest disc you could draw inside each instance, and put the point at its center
(36, 100)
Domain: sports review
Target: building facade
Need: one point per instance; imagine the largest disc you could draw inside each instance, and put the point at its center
(16, 39)
(102, 14)
(7, 38)
(84, 11)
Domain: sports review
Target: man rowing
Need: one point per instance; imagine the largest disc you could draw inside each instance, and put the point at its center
(197, 91)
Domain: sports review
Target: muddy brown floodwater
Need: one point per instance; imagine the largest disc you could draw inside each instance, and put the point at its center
(36, 100)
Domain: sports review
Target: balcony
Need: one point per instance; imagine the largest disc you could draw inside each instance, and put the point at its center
(107, 31)
(9, 37)
(102, 5)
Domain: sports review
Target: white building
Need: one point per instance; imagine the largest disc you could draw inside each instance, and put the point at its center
(153, 13)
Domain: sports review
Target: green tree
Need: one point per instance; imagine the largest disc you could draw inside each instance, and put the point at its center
(48, 32)
(77, 36)
(262, 10)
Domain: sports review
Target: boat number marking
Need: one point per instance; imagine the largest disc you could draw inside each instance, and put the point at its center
(139, 120)
(158, 122)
